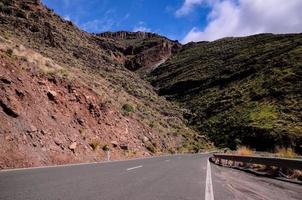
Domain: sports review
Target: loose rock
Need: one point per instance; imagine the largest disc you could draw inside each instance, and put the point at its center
(73, 146)
(52, 95)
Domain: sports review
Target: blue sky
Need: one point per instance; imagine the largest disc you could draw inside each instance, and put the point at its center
(184, 20)
(112, 15)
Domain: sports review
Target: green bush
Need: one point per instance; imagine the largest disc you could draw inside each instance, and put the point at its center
(24, 59)
(106, 147)
(9, 52)
(127, 108)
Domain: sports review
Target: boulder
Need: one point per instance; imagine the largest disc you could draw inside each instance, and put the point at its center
(32, 128)
(73, 146)
(51, 95)
(145, 139)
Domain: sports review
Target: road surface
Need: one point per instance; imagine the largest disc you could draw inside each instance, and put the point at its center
(183, 177)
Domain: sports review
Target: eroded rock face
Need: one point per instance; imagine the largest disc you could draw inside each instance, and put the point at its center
(125, 35)
(35, 131)
(148, 51)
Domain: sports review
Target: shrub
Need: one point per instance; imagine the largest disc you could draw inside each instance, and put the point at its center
(151, 148)
(106, 147)
(24, 6)
(151, 124)
(285, 152)
(244, 151)
(7, 2)
(127, 108)
(171, 151)
(9, 52)
(94, 145)
(4, 7)
(63, 72)
(24, 59)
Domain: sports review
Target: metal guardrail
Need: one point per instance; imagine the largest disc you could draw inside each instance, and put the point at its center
(278, 162)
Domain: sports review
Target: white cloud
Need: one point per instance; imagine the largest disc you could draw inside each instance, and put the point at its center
(187, 7)
(67, 17)
(246, 17)
(101, 25)
(141, 27)
(97, 26)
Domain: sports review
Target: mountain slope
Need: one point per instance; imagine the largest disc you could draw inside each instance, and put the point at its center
(66, 93)
(240, 91)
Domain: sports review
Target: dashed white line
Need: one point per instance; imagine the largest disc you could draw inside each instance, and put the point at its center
(134, 167)
(167, 160)
(209, 194)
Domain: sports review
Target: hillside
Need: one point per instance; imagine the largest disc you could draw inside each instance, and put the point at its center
(66, 93)
(240, 91)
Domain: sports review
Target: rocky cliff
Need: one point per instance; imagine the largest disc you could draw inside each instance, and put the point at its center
(141, 51)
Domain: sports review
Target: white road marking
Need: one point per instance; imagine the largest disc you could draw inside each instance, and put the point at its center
(209, 194)
(167, 160)
(134, 167)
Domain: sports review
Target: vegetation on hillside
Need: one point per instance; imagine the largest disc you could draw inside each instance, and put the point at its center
(240, 91)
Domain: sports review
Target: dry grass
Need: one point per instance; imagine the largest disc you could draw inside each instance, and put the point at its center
(285, 152)
(244, 151)
(297, 174)
(94, 145)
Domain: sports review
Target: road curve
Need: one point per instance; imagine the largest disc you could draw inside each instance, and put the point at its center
(183, 177)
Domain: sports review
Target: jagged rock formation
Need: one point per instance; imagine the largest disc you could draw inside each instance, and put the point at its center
(125, 35)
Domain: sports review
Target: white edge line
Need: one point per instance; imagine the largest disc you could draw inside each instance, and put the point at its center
(92, 163)
(134, 167)
(209, 194)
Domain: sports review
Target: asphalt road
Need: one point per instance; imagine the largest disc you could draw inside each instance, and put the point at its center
(185, 177)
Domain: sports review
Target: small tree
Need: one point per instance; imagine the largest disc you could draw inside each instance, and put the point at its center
(127, 108)
(106, 148)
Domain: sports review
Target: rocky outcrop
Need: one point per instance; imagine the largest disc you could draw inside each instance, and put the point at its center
(125, 35)
(140, 51)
